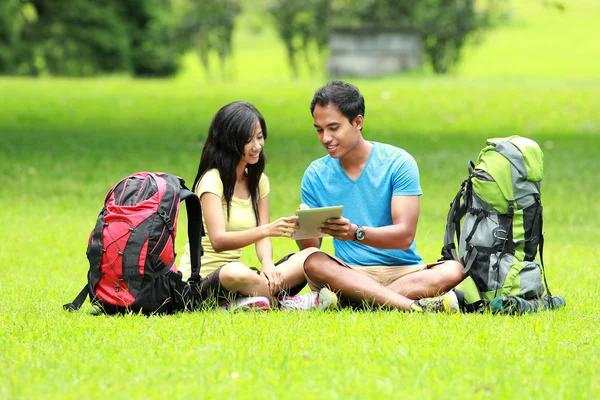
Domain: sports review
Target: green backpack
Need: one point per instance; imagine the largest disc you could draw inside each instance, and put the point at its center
(500, 207)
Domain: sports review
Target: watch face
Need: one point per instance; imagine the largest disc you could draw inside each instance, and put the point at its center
(360, 233)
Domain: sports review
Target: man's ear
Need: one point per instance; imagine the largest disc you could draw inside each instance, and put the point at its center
(358, 121)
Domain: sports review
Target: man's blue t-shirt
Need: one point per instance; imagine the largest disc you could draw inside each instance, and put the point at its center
(389, 171)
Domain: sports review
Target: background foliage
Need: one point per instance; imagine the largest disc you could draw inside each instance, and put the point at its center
(148, 37)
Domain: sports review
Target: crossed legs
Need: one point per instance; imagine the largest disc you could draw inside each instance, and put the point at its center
(322, 270)
(237, 278)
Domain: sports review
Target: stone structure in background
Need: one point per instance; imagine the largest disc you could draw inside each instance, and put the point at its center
(366, 53)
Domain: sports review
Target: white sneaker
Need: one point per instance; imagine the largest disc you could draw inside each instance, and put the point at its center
(247, 304)
(323, 299)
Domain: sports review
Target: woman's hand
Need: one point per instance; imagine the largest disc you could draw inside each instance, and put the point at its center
(283, 227)
(274, 277)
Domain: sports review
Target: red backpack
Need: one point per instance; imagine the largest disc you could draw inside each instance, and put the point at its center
(131, 249)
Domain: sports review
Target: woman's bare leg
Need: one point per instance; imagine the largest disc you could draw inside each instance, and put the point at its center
(238, 278)
(292, 269)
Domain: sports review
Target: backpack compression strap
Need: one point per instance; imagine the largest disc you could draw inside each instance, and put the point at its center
(195, 229)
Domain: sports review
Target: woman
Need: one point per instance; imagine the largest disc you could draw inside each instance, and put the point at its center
(234, 193)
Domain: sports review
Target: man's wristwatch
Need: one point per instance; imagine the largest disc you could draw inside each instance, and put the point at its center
(359, 234)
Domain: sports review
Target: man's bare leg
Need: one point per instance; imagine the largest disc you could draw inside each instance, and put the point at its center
(429, 282)
(351, 284)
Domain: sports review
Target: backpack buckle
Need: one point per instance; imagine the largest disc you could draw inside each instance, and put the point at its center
(496, 236)
(511, 208)
(165, 218)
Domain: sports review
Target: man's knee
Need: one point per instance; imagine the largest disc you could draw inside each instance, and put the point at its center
(314, 265)
(457, 270)
(453, 273)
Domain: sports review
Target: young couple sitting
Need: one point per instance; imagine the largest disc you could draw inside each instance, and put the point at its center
(376, 261)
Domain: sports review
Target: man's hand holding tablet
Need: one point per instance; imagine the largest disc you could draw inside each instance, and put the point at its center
(310, 221)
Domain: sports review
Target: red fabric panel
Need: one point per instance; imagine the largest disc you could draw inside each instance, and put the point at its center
(110, 289)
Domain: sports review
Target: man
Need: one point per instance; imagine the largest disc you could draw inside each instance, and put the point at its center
(376, 261)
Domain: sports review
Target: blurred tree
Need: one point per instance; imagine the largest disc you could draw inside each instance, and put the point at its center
(9, 37)
(301, 25)
(284, 14)
(377, 15)
(156, 46)
(445, 26)
(208, 26)
(62, 37)
(85, 37)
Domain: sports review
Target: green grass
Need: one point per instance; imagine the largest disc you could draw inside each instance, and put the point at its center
(64, 143)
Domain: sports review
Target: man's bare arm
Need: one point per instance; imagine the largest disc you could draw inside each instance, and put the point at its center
(399, 235)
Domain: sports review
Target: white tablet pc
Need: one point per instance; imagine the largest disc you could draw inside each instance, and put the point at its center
(311, 219)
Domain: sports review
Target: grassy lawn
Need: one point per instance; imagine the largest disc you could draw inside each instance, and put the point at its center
(64, 143)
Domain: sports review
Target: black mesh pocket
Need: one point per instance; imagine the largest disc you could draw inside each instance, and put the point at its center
(480, 268)
(532, 226)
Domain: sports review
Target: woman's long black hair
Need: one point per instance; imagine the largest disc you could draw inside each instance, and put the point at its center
(230, 130)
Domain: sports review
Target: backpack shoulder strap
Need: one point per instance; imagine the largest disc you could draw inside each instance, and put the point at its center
(195, 228)
(541, 251)
(458, 209)
(79, 300)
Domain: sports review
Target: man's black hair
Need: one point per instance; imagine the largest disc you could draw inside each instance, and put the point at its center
(345, 96)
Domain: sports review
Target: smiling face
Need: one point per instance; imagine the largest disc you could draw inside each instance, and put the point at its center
(254, 147)
(336, 133)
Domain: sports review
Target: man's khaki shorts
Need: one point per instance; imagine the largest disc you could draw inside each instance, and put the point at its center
(382, 274)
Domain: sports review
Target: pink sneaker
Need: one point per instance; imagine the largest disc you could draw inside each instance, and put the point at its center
(247, 304)
(323, 299)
